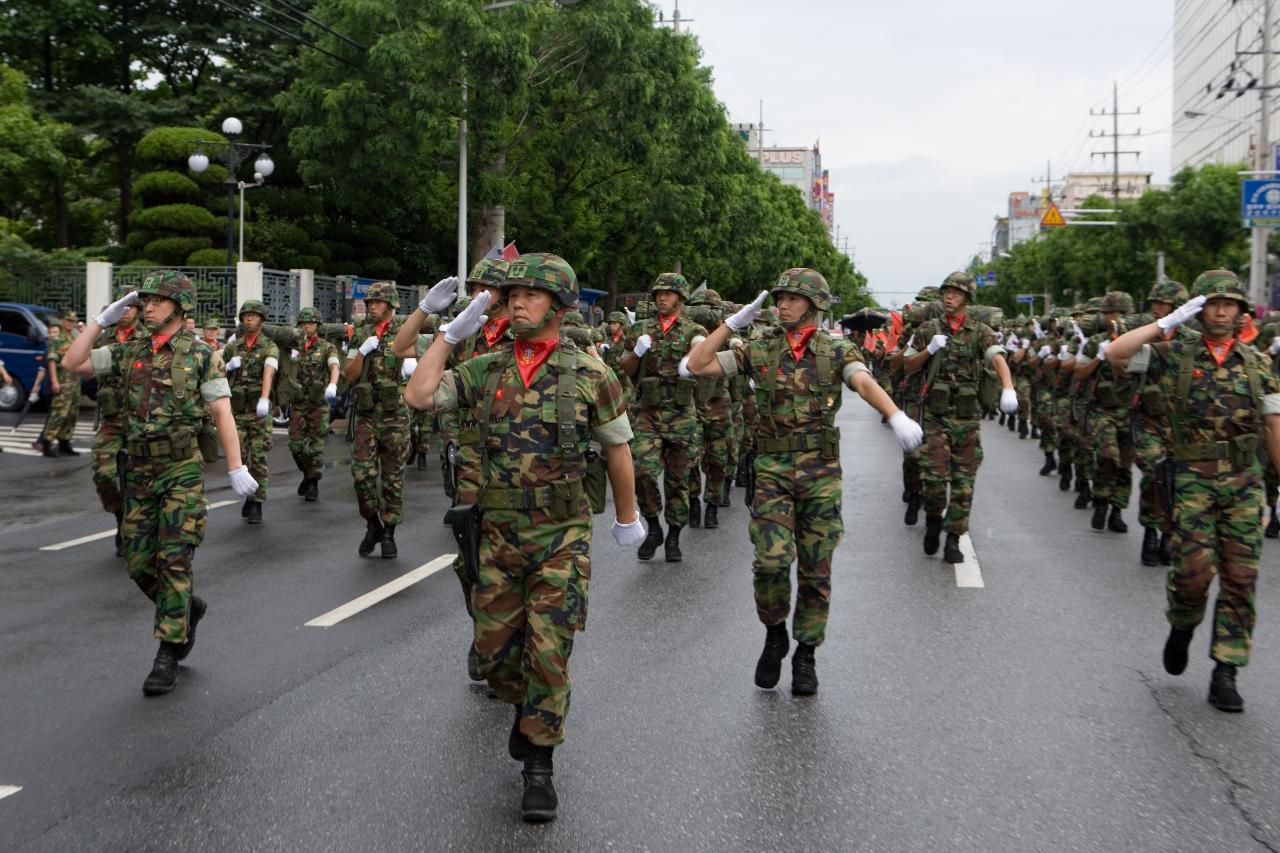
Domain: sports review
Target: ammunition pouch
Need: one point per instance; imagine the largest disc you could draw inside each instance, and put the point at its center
(312, 393)
(362, 394)
(650, 395)
(938, 398)
(684, 392)
(966, 400)
(562, 500)
(109, 402)
(240, 400)
(207, 440)
(1152, 400)
(1105, 395)
(389, 397)
(178, 446)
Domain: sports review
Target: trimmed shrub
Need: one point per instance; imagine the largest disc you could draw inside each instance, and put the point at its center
(138, 238)
(210, 177)
(143, 262)
(207, 258)
(172, 145)
(344, 268)
(381, 267)
(174, 250)
(165, 188)
(304, 262)
(187, 218)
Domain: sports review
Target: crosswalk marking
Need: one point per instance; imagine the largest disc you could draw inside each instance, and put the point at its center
(6, 790)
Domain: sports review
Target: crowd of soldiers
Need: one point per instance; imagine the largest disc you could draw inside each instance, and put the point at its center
(1187, 391)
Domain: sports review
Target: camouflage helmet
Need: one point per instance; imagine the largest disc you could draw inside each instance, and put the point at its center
(1221, 284)
(123, 290)
(385, 291)
(252, 306)
(1117, 301)
(573, 318)
(961, 281)
(459, 305)
(309, 315)
(805, 282)
(1092, 305)
(170, 285)
(673, 281)
(544, 271)
(215, 323)
(619, 317)
(929, 294)
(1168, 291)
(704, 316)
(490, 272)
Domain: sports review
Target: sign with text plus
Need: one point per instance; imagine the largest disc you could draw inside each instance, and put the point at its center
(1025, 298)
(1260, 202)
(1052, 217)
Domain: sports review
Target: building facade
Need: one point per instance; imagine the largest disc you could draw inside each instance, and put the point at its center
(1078, 186)
(800, 168)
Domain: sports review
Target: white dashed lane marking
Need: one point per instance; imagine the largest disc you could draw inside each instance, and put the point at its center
(6, 790)
(94, 537)
(968, 573)
(364, 602)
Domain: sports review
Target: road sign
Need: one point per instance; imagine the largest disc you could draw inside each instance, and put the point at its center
(1052, 217)
(1260, 202)
(990, 279)
(1026, 298)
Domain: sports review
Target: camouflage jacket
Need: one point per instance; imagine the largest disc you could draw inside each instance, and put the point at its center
(1108, 388)
(314, 359)
(246, 382)
(110, 388)
(381, 366)
(660, 365)
(968, 350)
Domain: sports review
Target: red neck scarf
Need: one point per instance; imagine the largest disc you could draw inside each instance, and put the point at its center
(158, 341)
(311, 340)
(381, 328)
(250, 340)
(1220, 349)
(798, 339)
(530, 355)
(123, 334)
(494, 329)
(667, 322)
(956, 322)
(617, 339)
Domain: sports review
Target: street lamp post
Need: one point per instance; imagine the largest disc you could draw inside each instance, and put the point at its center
(235, 154)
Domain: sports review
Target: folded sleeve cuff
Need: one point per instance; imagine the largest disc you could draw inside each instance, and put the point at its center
(617, 431)
(1140, 360)
(100, 360)
(272, 362)
(333, 361)
(1271, 404)
(992, 351)
(852, 369)
(728, 363)
(446, 397)
(215, 389)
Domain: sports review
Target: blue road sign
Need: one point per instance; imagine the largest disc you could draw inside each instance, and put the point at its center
(1027, 298)
(1260, 202)
(991, 278)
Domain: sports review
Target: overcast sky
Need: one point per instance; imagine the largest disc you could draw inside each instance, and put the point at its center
(930, 113)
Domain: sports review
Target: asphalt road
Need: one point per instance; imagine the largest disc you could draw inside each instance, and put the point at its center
(1025, 710)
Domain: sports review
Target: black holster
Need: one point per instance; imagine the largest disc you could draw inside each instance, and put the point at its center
(464, 521)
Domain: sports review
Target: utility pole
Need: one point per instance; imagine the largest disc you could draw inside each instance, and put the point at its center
(1115, 136)
(1258, 247)
(1047, 180)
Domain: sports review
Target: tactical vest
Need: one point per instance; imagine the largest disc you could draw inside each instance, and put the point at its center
(827, 437)
(958, 393)
(190, 429)
(653, 391)
(110, 397)
(246, 383)
(379, 388)
(309, 372)
(1241, 450)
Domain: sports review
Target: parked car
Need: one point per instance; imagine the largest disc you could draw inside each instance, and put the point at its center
(24, 339)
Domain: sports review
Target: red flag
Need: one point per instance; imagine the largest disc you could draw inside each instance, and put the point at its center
(510, 252)
(895, 330)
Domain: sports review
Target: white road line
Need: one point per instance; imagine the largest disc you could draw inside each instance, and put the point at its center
(6, 790)
(94, 537)
(364, 602)
(968, 573)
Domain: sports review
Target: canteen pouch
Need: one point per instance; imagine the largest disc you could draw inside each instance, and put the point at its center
(594, 480)
(831, 443)
(108, 402)
(389, 397)
(650, 392)
(362, 392)
(1152, 401)
(207, 440)
(1106, 395)
(966, 402)
(989, 390)
(565, 498)
(685, 389)
(706, 387)
(938, 400)
(1244, 450)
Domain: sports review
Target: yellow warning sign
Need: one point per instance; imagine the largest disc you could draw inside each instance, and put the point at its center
(1052, 218)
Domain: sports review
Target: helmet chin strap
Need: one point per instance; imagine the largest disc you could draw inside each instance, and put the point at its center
(808, 318)
(157, 326)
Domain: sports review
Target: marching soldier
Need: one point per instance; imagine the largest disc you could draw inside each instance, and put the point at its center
(667, 432)
(64, 408)
(796, 514)
(536, 406)
(910, 384)
(252, 362)
(1221, 398)
(169, 380)
(1110, 407)
(381, 444)
(109, 439)
(612, 350)
(958, 347)
(715, 419)
(212, 327)
(317, 365)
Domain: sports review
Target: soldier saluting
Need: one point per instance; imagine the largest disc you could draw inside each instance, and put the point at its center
(109, 439)
(169, 381)
(795, 516)
(537, 406)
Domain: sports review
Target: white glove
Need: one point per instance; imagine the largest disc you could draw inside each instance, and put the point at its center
(1026, 342)
(642, 346)
(743, 318)
(293, 353)
(408, 366)
(113, 312)
(468, 321)
(440, 296)
(999, 337)
(911, 340)
(1102, 350)
(1275, 346)
(751, 383)
(33, 396)
(1035, 328)
(229, 341)
(330, 392)
(938, 342)
(233, 363)
(1178, 316)
(907, 431)
(264, 407)
(1064, 351)
(629, 534)
(1079, 334)
(1045, 351)
(602, 347)
(370, 344)
(242, 482)
(1008, 401)
(631, 316)
(1011, 345)
(683, 369)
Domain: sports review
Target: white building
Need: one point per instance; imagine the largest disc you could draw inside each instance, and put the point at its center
(1207, 34)
(800, 168)
(1025, 211)
(1078, 186)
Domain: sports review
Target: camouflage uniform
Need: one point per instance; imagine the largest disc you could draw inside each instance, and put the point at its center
(109, 439)
(64, 408)
(164, 504)
(715, 420)
(531, 595)
(309, 412)
(612, 350)
(908, 387)
(1111, 401)
(246, 389)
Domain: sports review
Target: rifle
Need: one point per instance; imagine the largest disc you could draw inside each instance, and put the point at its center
(749, 481)
(464, 521)
(1165, 470)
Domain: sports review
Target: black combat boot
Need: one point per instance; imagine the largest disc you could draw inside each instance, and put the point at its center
(1012, 423)
(372, 536)
(65, 449)
(313, 489)
(1223, 694)
(389, 548)
(244, 507)
(119, 534)
(539, 801)
(1166, 549)
(1023, 430)
(769, 666)
(48, 449)
(164, 672)
(255, 513)
(1099, 520)
(672, 544)
(1050, 465)
(1035, 431)
(198, 608)
(906, 496)
(695, 512)
(302, 488)
(913, 511)
(932, 534)
(1064, 477)
(1273, 527)
(1175, 650)
(804, 674)
(1002, 416)
(1081, 481)
(711, 519)
(652, 539)
(518, 745)
(473, 663)
(951, 551)
(1150, 546)
(422, 461)
(1115, 523)
(1084, 496)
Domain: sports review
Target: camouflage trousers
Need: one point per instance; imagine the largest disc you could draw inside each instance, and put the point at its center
(255, 445)
(164, 521)
(1148, 452)
(528, 602)
(106, 472)
(63, 410)
(422, 425)
(1114, 451)
(1044, 419)
(716, 461)
(795, 518)
(378, 454)
(308, 427)
(952, 454)
(669, 454)
(1064, 430)
(1217, 520)
(912, 465)
(1022, 385)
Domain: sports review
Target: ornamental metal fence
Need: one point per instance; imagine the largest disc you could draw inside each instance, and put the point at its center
(281, 292)
(62, 289)
(215, 288)
(327, 297)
